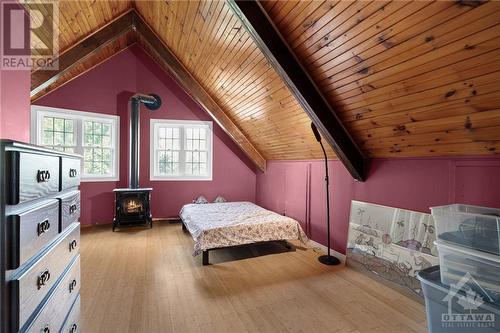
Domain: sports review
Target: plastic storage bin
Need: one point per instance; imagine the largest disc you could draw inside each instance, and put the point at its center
(447, 312)
(471, 226)
(457, 261)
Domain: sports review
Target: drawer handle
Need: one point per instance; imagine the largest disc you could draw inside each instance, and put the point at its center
(72, 209)
(73, 328)
(43, 278)
(73, 173)
(72, 245)
(72, 286)
(46, 329)
(43, 227)
(43, 176)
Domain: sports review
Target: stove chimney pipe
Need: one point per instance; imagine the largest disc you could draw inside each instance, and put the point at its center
(152, 102)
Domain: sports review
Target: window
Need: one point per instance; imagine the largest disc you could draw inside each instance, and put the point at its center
(181, 150)
(94, 136)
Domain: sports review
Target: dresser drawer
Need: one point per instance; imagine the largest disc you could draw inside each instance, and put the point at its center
(70, 209)
(70, 172)
(72, 323)
(58, 305)
(30, 176)
(29, 289)
(30, 231)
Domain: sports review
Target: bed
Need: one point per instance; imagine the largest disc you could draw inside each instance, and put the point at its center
(228, 224)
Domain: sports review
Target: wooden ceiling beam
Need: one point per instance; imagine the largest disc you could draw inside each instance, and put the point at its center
(193, 88)
(41, 79)
(256, 21)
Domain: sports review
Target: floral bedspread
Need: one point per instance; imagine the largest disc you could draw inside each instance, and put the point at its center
(216, 225)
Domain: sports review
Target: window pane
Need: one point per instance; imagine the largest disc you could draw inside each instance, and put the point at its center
(189, 133)
(162, 157)
(106, 141)
(87, 167)
(161, 132)
(97, 128)
(106, 155)
(203, 168)
(106, 129)
(87, 140)
(97, 139)
(97, 154)
(57, 133)
(96, 166)
(162, 168)
(68, 125)
(203, 145)
(48, 123)
(106, 167)
(161, 143)
(59, 124)
(48, 138)
(68, 139)
(58, 138)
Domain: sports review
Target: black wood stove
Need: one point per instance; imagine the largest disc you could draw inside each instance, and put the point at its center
(132, 207)
(133, 204)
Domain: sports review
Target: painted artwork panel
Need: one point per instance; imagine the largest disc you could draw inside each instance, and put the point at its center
(393, 244)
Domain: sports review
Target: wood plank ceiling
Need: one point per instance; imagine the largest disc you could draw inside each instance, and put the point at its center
(211, 43)
(406, 78)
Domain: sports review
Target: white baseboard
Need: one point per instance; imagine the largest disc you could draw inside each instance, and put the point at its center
(324, 249)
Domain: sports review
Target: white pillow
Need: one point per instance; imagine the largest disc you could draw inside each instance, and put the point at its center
(200, 200)
(219, 199)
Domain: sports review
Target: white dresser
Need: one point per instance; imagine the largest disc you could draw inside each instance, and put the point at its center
(40, 229)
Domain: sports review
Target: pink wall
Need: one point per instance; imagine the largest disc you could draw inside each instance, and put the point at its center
(15, 103)
(107, 89)
(414, 184)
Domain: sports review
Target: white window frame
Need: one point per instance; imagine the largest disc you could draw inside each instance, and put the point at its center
(37, 114)
(153, 129)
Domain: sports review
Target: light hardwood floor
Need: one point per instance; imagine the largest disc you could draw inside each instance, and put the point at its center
(146, 280)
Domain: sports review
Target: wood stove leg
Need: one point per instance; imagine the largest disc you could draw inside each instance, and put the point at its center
(205, 258)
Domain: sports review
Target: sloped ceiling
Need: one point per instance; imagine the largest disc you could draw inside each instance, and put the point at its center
(406, 78)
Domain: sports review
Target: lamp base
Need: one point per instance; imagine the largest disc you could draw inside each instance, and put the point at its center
(328, 260)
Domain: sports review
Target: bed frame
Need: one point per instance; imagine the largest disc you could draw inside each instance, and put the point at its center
(205, 255)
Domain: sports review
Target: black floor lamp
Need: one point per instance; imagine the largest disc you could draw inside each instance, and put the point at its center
(325, 259)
